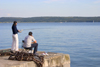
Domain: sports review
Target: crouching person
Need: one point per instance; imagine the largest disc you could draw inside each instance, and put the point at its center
(30, 43)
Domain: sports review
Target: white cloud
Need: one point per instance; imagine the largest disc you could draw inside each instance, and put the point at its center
(1, 9)
(8, 14)
(97, 1)
(62, 1)
(50, 1)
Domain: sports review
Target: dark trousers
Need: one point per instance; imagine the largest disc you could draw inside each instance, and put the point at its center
(35, 46)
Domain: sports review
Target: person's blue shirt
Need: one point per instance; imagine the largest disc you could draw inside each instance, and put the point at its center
(14, 29)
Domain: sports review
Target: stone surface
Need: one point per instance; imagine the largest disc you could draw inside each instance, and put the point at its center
(51, 60)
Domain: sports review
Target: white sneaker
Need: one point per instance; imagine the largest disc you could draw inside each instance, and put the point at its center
(44, 54)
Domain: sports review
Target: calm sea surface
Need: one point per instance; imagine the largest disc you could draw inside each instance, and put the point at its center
(80, 40)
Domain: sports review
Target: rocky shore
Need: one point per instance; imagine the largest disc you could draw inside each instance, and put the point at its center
(50, 60)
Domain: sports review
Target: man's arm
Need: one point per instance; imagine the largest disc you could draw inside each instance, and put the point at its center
(34, 42)
(19, 31)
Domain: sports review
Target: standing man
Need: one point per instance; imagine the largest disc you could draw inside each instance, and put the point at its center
(30, 42)
(15, 42)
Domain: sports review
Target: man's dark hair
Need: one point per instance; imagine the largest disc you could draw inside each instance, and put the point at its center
(30, 33)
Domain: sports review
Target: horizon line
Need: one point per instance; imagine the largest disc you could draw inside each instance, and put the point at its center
(51, 16)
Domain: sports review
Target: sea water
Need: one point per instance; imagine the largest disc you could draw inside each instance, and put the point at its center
(80, 40)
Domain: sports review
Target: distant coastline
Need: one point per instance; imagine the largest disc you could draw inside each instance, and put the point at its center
(49, 19)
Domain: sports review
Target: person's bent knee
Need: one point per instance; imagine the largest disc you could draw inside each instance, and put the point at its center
(37, 44)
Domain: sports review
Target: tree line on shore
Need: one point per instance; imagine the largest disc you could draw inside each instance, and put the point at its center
(50, 19)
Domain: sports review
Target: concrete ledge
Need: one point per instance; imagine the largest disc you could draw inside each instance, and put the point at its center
(57, 60)
(52, 60)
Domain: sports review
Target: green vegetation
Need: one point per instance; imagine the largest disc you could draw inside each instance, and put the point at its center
(51, 19)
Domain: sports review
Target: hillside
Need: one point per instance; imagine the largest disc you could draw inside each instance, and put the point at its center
(50, 19)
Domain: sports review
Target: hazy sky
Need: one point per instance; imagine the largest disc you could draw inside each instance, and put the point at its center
(38, 8)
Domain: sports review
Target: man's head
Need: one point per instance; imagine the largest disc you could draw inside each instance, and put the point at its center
(30, 33)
